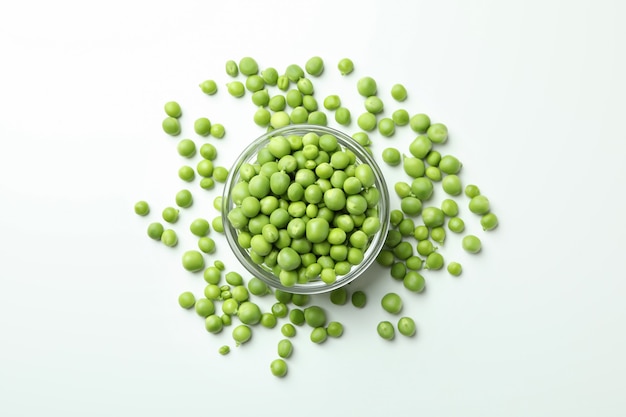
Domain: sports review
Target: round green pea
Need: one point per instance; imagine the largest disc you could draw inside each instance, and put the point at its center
(319, 335)
(420, 146)
(278, 367)
(314, 66)
(193, 261)
(455, 269)
(392, 303)
(450, 207)
(208, 87)
(155, 230)
(413, 167)
(268, 320)
(472, 190)
(359, 299)
(434, 261)
(186, 300)
(392, 156)
(173, 109)
(345, 66)
(208, 151)
(217, 130)
(456, 225)
(142, 208)
(186, 148)
(400, 117)
(420, 123)
(398, 92)
(241, 334)
(184, 198)
(236, 89)
(231, 68)
(437, 132)
(334, 329)
(451, 184)
(414, 281)
(367, 121)
(213, 324)
(171, 126)
(169, 238)
(199, 227)
(270, 75)
(385, 330)
(386, 127)
(471, 244)
(205, 307)
(202, 126)
(406, 326)
(489, 221)
(343, 116)
(366, 86)
(479, 205)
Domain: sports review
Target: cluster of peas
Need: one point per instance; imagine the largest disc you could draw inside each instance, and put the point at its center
(425, 166)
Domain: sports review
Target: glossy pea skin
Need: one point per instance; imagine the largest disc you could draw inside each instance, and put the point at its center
(385, 258)
(171, 126)
(193, 261)
(451, 184)
(236, 89)
(339, 296)
(385, 330)
(433, 216)
(374, 105)
(343, 116)
(438, 234)
(142, 208)
(455, 269)
(400, 117)
(456, 225)
(268, 320)
(319, 335)
(434, 261)
(257, 287)
(208, 87)
(249, 313)
(241, 334)
(366, 86)
(367, 121)
(248, 66)
(406, 326)
(172, 109)
(199, 227)
(450, 164)
(437, 132)
(204, 307)
(212, 275)
(398, 92)
(413, 167)
(345, 66)
(472, 190)
(231, 68)
(420, 146)
(420, 123)
(184, 198)
(471, 244)
(186, 300)
(392, 303)
(358, 299)
(294, 72)
(332, 102)
(224, 350)
(169, 238)
(414, 263)
(186, 148)
(314, 66)
(489, 221)
(208, 151)
(414, 281)
(479, 205)
(315, 316)
(411, 206)
(270, 75)
(213, 324)
(398, 270)
(285, 348)
(391, 156)
(386, 127)
(449, 207)
(278, 367)
(217, 130)
(155, 230)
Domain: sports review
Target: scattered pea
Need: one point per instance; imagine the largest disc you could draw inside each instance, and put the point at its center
(319, 335)
(171, 126)
(186, 300)
(392, 303)
(398, 92)
(241, 334)
(314, 66)
(208, 87)
(142, 208)
(345, 66)
(455, 269)
(231, 68)
(278, 367)
(385, 330)
(155, 230)
(224, 350)
(471, 244)
(236, 89)
(169, 238)
(479, 204)
(406, 326)
(489, 221)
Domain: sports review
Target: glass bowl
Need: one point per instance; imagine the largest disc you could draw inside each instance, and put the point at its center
(263, 271)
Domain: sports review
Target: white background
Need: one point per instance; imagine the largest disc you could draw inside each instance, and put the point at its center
(533, 95)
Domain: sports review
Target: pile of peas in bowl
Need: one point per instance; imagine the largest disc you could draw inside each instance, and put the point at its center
(305, 209)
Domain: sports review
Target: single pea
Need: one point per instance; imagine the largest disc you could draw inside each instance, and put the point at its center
(385, 330)
(332, 102)
(173, 109)
(456, 225)
(420, 146)
(425, 247)
(249, 313)
(288, 330)
(296, 316)
(479, 205)
(217, 130)
(413, 167)
(213, 324)
(305, 86)
(373, 104)
(236, 89)
(339, 296)
(366, 86)
(393, 239)
(186, 148)
(171, 126)
(294, 72)
(472, 190)
(406, 326)
(314, 66)
(343, 116)
(406, 227)
(230, 305)
(386, 127)
(217, 203)
(262, 117)
(270, 75)
(414, 263)
(422, 188)
(169, 238)
(186, 300)
(278, 102)
(438, 234)
(359, 299)
(437, 132)
(411, 206)
(231, 68)
(280, 310)
(202, 126)
(224, 350)
(420, 123)
(421, 233)
(279, 119)
(193, 261)
(285, 348)
(385, 257)
(334, 329)
(199, 227)
(205, 168)
(434, 261)
(398, 270)
(248, 66)
(317, 118)
(261, 97)
(315, 316)
(489, 221)
(155, 230)
(212, 292)
(433, 158)
(242, 334)
(205, 307)
(414, 281)
(186, 173)
(142, 208)
(184, 199)
(433, 173)
(212, 275)
(208, 87)
(455, 269)
(395, 217)
(345, 66)
(398, 92)
(208, 151)
(403, 251)
(319, 335)
(450, 207)
(367, 121)
(400, 117)
(392, 303)
(433, 216)
(268, 320)
(220, 174)
(471, 244)
(299, 115)
(391, 156)
(278, 367)
(451, 184)
(450, 164)
(226, 319)
(282, 83)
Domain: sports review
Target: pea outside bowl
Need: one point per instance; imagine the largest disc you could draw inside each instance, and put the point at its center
(269, 274)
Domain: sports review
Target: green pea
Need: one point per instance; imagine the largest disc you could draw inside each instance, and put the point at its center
(231, 68)
(391, 156)
(208, 87)
(314, 66)
(193, 261)
(249, 313)
(155, 230)
(305, 86)
(205, 307)
(414, 263)
(366, 86)
(471, 244)
(343, 116)
(406, 227)
(398, 270)
(279, 310)
(248, 66)
(317, 118)
(385, 330)
(479, 205)
(268, 320)
(208, 151)
(433, 216)
(345, 66)
(213, 324)
(386, 127)
(421, 146)
(236, 89)
(434, 261)
(398, 92)
(142, 208)
(455, 269)
(270, 75)
(332, 102)
(279, 119)
(212, 275)
(406, 326)
(242, 334)
(186, 300)
(278, 367)
(288, 330)
(451, 184)
(186, 148)
(392, 303)
(400, 117)
(282, 83)
(437, 132)
(319, 335)
(172, 109)
(199, 227)
(339, 296)
(385, 257)
(395, 217)
(421, 233)
(425, 247)
(217, 130)
(169, 238)
(433, 158)
(456, 225)
(359, 299)
(394, 238)
(420, 123)
(438, 234)
(224, 350)
(217, 224)
(422, 188)
(299, 115)
(334, 329)
(184, 199)
(413, 167)
(262, 117)
(367, 121)
(472, 190)
(449, 207)
(285, 348)
(294, 72)
(374, 105)
(414, 281)
(315, 316)
(489, 221)
(171, 126)
(411, 206)
(433, 173)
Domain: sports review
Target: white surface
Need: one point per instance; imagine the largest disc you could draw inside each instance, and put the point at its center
(533, 94)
